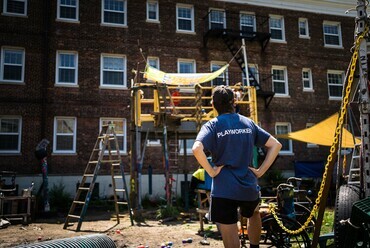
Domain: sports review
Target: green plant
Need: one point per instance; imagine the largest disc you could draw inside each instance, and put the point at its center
(59, 199)
(167, 211)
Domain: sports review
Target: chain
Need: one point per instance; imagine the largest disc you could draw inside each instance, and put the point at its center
(339, 126)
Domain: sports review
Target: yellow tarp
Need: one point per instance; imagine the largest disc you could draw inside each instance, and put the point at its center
(322, 134)
(156, 75)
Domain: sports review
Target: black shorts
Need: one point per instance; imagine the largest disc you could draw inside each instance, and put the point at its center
(225, 211)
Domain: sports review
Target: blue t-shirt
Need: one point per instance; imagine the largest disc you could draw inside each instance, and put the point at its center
(231, 138)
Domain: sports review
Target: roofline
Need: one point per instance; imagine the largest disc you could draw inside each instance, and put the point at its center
(329, 7)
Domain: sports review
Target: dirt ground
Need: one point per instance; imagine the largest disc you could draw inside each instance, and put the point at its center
(149, 232)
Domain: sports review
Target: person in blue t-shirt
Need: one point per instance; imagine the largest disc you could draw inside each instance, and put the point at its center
(230, 137)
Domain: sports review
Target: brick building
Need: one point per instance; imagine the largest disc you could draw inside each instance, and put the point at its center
(66, 68)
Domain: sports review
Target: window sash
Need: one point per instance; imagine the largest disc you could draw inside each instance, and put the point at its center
(114, 12)
(152, 11)
(67, 68)
(186, 67)
(222, 78)
(67, 9)
(307, 79)
(120, 130)
(17, 7)
(10, 135)
(65, 135)
(303, 28)
(217, 19)
(331, 34)
(12, 62)
(276, 28)
(335, 84)
(279, 81)
(185, 18)
(113, 71)
(286, 143)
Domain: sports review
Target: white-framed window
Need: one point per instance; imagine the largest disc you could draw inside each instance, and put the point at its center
(114, 12)
(280, 80)
(186, 66)
(67, 68)
(217, 19)
(189, 146)
(152, 11)
(277, 29)
(303, 28)
(113, 71)
(311, 145)
(287, 144)
(332, 34)
(253, 75)
(15, 7)
(223, 78)
(307, 79)
(65, 133)
(153, 62)
(247, 23)
(120, 128)
(12, 65)
(68, 10)
(335, 84)
(10, 134)
(184, 18)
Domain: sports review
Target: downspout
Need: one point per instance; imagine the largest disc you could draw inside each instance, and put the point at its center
(45, 75)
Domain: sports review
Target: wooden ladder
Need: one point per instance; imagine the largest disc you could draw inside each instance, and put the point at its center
(354, 175)
(106, 151)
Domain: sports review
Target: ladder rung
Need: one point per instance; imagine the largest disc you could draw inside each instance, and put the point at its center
(79, 202)
(120, 190)
(74, 216)
(88, 175)
(356, 156)
(355, 169)
(93, 162)
(353, 182)
(122, 203)
(97, 150)
(116, 164)
(83, 188)
(110, 161)
(118, 177)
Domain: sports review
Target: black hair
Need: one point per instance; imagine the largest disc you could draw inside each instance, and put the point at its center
(223, 99)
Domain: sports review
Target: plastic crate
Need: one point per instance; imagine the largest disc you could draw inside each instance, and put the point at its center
(361, 212)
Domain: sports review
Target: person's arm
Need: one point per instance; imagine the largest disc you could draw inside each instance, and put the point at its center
(273, 147)
(198, 151)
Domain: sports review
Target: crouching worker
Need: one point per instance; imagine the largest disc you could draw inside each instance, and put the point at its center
(230, 138)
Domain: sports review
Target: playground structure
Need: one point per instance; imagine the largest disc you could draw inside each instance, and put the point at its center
(173, 113)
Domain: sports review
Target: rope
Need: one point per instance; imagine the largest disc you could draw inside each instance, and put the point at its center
(338, 129)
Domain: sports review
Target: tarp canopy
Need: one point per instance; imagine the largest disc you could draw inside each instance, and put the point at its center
(189, 79)
(322, 134)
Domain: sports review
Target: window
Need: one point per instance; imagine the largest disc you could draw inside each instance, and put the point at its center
(66, 73)
(287, 145)
(189, 146)
(64, 135)
(222, 79)
(15, 7)
(153, 62)
(335, 84)
(332, 34)
(113, 71)
(277, 28)
(185, 18)
(152, 11)
(186, 66)
(307, 79)
(280, 81)
(68, 10)
(114, 12)
(253, 76)
(217, 19)
(310, 145)
(120, 130)
(303, 28)
(247, 24)
(12, 65)
(10, 134)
